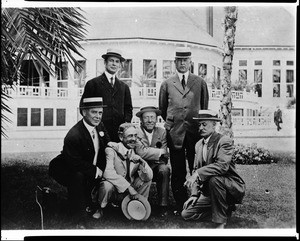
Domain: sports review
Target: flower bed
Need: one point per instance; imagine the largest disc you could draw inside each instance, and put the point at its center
(251, 154)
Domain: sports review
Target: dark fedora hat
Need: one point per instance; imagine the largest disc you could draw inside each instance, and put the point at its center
(92, 102)
(148, 109)
(183, 53)
(114, 53)
(207, 115)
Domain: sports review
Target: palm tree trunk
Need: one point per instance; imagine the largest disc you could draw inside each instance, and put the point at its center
(230, 19)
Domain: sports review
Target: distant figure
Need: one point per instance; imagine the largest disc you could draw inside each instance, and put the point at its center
(278, 118)
(116, 94)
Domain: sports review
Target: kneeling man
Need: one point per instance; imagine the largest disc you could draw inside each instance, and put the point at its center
(125, 171)
(215, 184)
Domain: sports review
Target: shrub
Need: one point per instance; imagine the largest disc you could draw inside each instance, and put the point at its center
(251, 154)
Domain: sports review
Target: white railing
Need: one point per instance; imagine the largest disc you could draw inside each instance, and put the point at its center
(237, 121)
(145, 92)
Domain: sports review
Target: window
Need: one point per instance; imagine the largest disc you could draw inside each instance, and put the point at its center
(168, 68)
(258, 81)
(62, 70)
(289, 62)
(243, 75)
(22, 117)
(202, 70)
(35, 116)
(149, 72)
(48, 117)
(276, 62)
(242, 62)
(276, 75)
(192, 67)
(276, 82)
(100, 68)
(257, 62)
(289, 83)
(61, 117)
(276, 90)
(80, 73)
(125, 73)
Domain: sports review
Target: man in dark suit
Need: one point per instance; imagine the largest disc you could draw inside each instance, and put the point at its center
(278, 118)
(180, 98)
(153, 149)
(215, 184)
(82, 161)
(116, 94)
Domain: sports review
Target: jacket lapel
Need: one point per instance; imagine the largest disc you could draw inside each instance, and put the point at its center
(87, 136)
(189, 85)
(210, 149)
(177, 84)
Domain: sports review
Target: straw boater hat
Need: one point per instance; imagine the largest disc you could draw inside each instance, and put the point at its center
(147, 109)
(183, 53)
(114, 53)
(92, 102)
(136, 209)
(207, 115)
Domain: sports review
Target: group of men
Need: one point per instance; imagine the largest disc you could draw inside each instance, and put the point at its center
(105, 156)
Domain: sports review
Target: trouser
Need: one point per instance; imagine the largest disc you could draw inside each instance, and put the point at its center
(106, 191)
(79, 192)
(178, 159)
(212, 204)
(161, 175)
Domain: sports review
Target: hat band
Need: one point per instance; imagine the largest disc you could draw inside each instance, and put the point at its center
(90, 104)
(185, 54)
(112, 53)
(207, 116)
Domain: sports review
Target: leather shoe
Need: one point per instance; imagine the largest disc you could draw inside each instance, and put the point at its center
(98, 214)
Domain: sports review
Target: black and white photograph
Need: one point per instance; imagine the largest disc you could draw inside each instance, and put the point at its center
(148, 119)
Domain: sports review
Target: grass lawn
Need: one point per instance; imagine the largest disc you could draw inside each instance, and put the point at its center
(270, 200)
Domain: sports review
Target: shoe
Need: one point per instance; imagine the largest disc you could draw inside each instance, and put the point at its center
(163, 211)
(98, 214)
(231, 208)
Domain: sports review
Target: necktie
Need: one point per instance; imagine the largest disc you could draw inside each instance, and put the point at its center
(183, 82)
(93, 134)
(204, 152)
(112, 81)
(128, 167)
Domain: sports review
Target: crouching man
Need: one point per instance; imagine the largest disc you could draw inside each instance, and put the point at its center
(82, 161)
(215, 185)
(125, 172)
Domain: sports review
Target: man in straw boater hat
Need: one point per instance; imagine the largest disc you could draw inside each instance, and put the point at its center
(81, 164)
(153, 149)
(180, 98)
(215, 184)
(115, 93)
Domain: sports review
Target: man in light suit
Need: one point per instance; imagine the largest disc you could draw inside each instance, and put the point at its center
(81, 164)
(215, 184)
(180, 98)
(116, 94)
(125, 172)
(153, 149)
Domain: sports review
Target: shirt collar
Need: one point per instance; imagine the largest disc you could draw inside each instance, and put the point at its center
(108, 76)
(206, 140)
(88, 127)
(186, 75)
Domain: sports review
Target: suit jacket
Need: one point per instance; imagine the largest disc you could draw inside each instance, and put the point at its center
(78, 154)
(219, 163)
(117, 99)
(179, 106)
(150, 151)
(116, 168)
(278, 116)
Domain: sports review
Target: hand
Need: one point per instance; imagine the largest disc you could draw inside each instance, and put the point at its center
(135, 159)
(191, 201)
(191, 180)
(164, 158)
(133, 193)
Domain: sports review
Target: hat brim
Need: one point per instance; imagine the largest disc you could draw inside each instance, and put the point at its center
(136, 209)
(140, 113)
(206, 119)
(105, 56)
